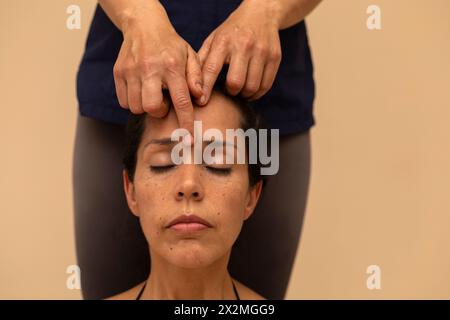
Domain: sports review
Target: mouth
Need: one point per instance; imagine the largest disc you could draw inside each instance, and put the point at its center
(188, 223)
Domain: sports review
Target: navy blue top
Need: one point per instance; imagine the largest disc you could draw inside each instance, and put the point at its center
(288, 105)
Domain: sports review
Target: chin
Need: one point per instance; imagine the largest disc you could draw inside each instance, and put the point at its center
(191, 258)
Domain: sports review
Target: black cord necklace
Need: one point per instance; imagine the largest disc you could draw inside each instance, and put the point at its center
(143, 287)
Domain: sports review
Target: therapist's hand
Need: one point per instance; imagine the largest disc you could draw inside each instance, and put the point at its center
(249, 42)
(154, 57)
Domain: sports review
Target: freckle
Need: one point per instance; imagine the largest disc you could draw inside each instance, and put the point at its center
(170, 248)
(218, 213)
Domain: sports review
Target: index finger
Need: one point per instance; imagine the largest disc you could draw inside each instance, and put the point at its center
(181, 99)
(211, 69)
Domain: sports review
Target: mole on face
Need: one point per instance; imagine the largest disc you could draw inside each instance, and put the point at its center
(218, 213)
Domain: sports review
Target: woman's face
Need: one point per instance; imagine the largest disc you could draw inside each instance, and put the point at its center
(217, 193)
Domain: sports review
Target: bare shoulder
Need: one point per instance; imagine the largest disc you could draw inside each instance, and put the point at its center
(130, 294)
(245, 293)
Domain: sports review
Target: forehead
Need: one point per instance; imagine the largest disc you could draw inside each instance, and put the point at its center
(220, 113)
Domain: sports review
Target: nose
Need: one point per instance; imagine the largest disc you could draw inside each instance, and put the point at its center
(189, 186)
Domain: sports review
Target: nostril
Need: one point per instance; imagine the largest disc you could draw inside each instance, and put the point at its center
(180, 194)
(195, 194)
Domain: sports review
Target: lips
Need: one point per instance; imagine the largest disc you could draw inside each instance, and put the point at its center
(189, 223)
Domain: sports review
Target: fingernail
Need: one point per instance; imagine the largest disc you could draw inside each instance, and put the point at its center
(203, 99)
(187, 140)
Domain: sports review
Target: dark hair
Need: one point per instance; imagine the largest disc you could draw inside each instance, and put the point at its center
(250, 119)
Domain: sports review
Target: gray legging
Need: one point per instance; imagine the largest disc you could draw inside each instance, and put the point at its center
(112, 251)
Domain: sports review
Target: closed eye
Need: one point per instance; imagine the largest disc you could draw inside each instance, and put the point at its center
(220, 171)
(161, 169)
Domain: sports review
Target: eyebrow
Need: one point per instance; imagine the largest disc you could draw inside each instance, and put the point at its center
(159, 142)
(220, 142)
(167, 142)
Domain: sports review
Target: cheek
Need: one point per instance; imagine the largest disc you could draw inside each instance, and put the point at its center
(229, 209)
(151, 198)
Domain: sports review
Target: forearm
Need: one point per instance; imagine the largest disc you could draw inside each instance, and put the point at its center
(287, 12)
(124, 12)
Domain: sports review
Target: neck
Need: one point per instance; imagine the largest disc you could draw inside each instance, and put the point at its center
(170, 282)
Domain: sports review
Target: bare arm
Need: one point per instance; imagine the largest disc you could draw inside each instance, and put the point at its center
(121, 11)
(291, 12)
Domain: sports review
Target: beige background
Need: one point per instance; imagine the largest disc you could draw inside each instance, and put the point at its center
(380, 188)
